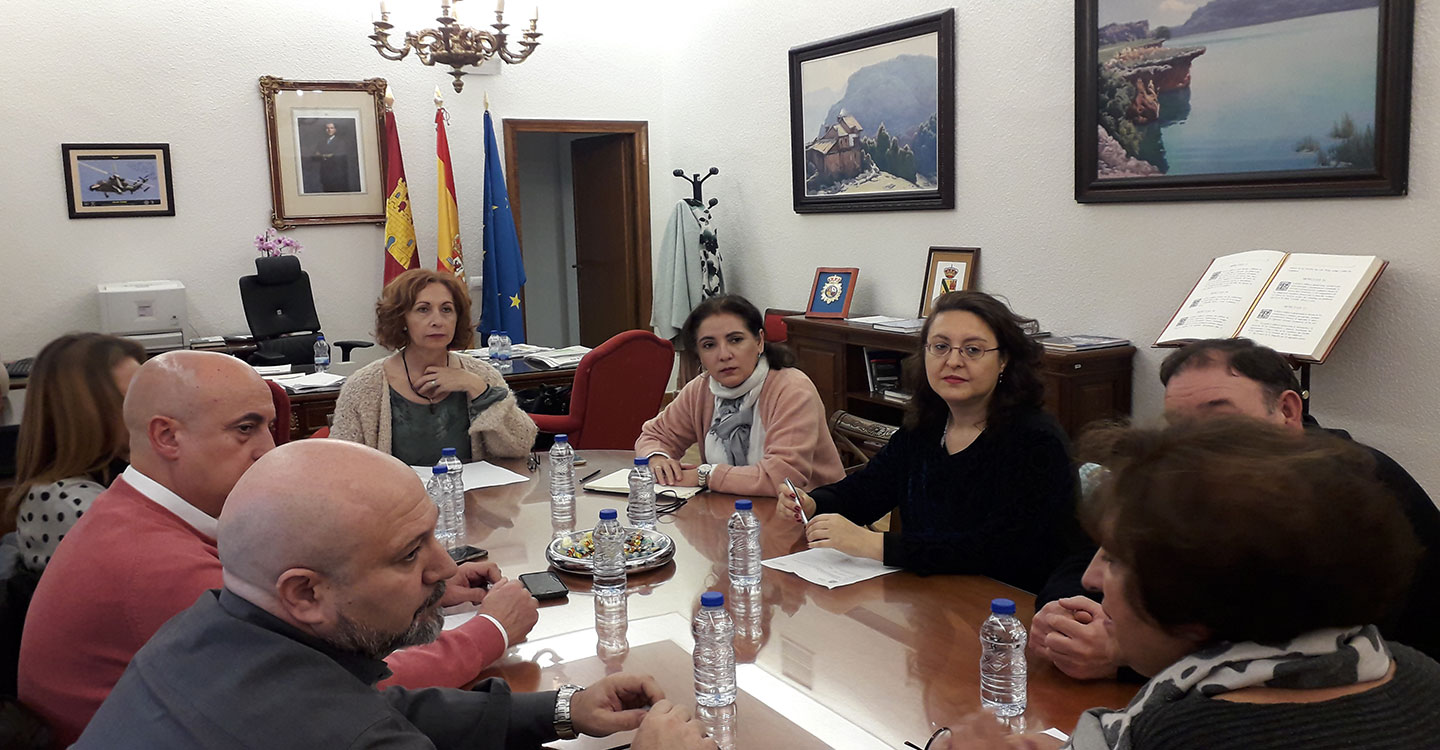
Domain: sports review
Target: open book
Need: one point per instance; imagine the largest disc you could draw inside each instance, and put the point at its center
(558, 359)
(1295, 303)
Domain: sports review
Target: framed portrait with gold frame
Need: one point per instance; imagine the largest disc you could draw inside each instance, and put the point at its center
(949, 269)
(832, 292)
(327, 156)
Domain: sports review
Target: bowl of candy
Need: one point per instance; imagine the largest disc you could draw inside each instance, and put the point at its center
(644, 550)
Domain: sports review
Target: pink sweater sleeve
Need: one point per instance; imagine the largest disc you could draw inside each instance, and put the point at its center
(794, 420)
(673, 431)
(455, 659)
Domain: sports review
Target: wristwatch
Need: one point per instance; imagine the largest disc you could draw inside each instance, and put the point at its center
(702, 475)
(564, 727)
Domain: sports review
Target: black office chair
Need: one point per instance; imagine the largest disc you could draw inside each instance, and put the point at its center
(281, 312)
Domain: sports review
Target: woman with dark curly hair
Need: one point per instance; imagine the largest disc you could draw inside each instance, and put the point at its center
(980, 474)
(425, 397)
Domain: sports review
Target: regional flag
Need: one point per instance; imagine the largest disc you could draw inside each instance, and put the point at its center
(400, 255)
(503, 269)
(447, 252)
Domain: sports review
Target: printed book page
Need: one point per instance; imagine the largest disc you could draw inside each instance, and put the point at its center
(1309, 301)
(1218, 304)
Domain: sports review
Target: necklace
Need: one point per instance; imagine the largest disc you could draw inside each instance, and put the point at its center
(429, 401)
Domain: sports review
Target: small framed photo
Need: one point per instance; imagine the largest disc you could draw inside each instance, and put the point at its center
(117, 179)
(949, 269)
(326, 151)
(831, 293)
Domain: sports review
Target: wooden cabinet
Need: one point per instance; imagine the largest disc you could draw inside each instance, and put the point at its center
(1080, 387)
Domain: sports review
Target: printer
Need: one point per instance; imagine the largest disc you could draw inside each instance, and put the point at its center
(151, 313)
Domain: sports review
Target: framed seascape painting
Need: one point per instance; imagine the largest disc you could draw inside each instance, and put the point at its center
(326, 155)
(948, 269)
(872, 119)
(117, 179)
(1236, 99)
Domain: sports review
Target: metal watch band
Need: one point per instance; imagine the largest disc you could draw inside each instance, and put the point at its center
(702, 475)
(564, 727)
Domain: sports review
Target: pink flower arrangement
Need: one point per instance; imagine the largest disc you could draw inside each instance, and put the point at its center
(274, 244)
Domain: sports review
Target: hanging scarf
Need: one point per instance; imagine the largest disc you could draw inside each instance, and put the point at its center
(728, 441)
(1331, 657)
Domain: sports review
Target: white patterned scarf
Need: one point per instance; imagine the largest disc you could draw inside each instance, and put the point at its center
(1331, 657)
(728, 440)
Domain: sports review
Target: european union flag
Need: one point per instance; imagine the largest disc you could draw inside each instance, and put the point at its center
(502, 268)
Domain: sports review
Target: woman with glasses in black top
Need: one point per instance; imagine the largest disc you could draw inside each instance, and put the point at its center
(980, 475)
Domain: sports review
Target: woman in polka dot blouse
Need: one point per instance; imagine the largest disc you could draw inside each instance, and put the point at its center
(72, 438)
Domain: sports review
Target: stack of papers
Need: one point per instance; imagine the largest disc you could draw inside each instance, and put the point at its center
(271, 369)
(618, 482)
(315, 381)
(478, 475)
(516, 351)
(871, 320)
(902, 326)
(829, 567)
(558, 359)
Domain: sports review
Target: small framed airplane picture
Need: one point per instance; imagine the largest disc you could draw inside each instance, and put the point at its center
(118, 179)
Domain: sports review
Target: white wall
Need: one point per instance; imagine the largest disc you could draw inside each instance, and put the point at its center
(711, 80)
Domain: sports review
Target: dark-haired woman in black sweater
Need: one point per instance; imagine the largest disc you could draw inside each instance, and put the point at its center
(980, 474)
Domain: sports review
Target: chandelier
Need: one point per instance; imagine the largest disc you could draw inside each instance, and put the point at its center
(455, 45)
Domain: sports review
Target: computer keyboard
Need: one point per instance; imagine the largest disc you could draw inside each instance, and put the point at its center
(20, 368)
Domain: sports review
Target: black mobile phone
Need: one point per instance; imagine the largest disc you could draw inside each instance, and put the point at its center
(467, 553)
(544, 585)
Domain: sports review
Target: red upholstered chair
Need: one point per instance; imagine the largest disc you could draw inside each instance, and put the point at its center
(281, 429)
(775, 329)
(323, 432)
(618, 386)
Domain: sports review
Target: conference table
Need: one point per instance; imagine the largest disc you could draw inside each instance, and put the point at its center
(869, 665)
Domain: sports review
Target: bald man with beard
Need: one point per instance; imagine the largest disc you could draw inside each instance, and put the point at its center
(331, 562)
(147, 548)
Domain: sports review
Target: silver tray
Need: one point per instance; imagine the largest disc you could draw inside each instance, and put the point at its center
(661, 554)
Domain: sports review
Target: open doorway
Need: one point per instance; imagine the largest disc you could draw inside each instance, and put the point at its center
(580, 195)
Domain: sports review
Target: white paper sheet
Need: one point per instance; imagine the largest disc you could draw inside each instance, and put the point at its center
(618, 482)
(313, 381)
(478, 475)
(871, 320)
(272, 369)
(829, 568)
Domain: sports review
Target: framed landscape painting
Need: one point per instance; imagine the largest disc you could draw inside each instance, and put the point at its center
(1235, 99)
(872, 118)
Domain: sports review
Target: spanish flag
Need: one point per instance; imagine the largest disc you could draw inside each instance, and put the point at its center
(447, 253)
(400, 255)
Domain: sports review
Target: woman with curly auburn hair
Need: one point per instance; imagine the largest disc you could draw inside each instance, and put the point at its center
(980, 474)
(425, 397)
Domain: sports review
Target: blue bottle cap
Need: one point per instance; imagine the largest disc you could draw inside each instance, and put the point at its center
(320, 336)
(447, 451)
(712, 599)
(1002, 606)
(562, 438)
(439, 469)
(645, 461)
(608, 514)
(743, 505)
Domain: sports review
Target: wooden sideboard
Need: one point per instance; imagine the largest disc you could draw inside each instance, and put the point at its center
(1080, 387)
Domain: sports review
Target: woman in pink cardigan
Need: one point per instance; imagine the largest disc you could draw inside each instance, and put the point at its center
(757, 419)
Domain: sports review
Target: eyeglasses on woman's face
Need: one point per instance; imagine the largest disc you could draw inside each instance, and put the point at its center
(972, 352)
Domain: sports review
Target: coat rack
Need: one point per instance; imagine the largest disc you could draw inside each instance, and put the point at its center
(695, 184)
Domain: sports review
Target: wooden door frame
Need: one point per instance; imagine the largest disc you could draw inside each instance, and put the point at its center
(639, 131)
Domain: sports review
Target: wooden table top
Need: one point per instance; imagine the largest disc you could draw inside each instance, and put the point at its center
(867, 665)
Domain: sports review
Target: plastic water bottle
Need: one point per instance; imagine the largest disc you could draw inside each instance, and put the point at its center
(714, 652)
(503, 363)
(609, 555)
(744, 545)
(492, 346)
(439, 490)
(612, 626)
(1002, 660)
(562, 483)
(322, 353)
(720, 723)
(641, 508)
(454, 511)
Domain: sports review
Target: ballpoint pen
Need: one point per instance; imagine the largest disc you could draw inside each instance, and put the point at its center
(590, 476)
(799, 505)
